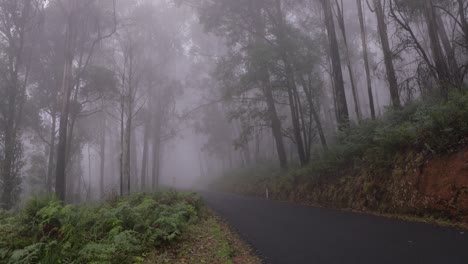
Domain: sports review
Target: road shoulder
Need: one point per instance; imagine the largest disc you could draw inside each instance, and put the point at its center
(210, 240)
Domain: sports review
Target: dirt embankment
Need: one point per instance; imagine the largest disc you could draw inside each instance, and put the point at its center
(441, 185)
(416, 185)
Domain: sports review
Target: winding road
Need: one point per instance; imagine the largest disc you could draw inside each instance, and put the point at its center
(284, 233)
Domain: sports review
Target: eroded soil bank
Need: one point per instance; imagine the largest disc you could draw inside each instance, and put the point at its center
(418, 184)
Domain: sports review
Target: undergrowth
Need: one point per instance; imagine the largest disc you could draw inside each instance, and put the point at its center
(426, 126)
(120, 230)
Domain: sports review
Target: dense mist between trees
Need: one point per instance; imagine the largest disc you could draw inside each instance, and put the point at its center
(102, 97)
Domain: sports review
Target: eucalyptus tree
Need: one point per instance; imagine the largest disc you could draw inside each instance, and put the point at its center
(443, 53)
(243, 25)
(340, 96)
(366, 57)
(342, 26)
(18, 20)
(145, 61)
(388, 55)
(86, 26)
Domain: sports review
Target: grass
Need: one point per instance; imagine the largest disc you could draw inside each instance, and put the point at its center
(209, 241)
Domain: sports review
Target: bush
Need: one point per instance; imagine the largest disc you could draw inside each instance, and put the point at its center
(422, 126)
(46, 231)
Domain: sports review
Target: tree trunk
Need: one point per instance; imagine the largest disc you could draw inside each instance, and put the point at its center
(50, 164)
(388, 55)
(450, 53)
(314, 113)
(156, 134)
(8, 176)
(15, 96)
(156, 153)
(122, 144)
(291, 85)
(464, 23)
(88, 188)
(439, 60)
(366, 58)
(144, 156)
(275, 123)
(342, 25)
(268, 92)
(127, 151)
(133, 162)
(60, 181)
(341, 103)
(294, 108)
(103, 155)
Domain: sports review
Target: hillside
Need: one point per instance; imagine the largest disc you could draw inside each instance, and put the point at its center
(413, 161)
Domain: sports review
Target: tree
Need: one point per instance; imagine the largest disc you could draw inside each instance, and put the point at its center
(439, 60)
(17, 19)
(366, 58)
(342, 26)
(228, 19)
(77, 26)
(388, 55)
(341, 103)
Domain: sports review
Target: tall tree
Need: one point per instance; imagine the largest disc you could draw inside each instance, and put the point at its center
(437, 53)
(388, 55)
(82, 27)
(342, 26)
(294, 102)
(366, 58)
(65, 94)
(340, 95)
(17, 18)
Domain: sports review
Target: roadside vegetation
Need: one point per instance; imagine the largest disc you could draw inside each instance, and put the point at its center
(119, 230)
(164, 227)
(209, 241)
(402, 139)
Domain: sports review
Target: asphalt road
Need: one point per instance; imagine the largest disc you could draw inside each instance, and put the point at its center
(285, 233)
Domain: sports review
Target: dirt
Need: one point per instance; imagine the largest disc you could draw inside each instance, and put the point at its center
(443, 184)
(418, 184)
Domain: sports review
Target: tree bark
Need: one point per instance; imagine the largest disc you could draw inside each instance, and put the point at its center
(15, 25)
(275, 123)
(342, 26)
(291, 85)
(50, 163)
(122, 144)
(439, 60)
(127, 151)
(464, 23)
(314, 113)
(450, 53)
(60, 182)
(144, 156)
(388, 55)
(103, 155)
(156, 151)
(366, 58)
(340, 95)
(267, 90)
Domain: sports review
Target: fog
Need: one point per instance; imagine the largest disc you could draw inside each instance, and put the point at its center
(103, 97)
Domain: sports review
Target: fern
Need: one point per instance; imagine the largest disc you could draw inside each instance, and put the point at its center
(118, 232)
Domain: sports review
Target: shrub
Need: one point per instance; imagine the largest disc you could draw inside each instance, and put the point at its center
(46, 231)
(423, 126)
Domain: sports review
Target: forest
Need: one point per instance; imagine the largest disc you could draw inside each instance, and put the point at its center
(329, 102)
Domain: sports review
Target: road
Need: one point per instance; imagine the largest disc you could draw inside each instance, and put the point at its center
(285, 233)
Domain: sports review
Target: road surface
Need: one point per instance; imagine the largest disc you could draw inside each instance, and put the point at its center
(284, 233)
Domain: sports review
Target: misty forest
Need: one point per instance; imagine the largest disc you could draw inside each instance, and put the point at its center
(124, 124)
